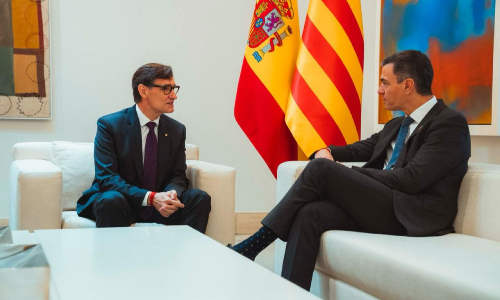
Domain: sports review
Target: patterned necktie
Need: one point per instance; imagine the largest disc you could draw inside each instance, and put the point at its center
(150, 158)
(400, 142)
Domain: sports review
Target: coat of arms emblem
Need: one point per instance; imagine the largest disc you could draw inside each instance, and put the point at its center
(268, 24)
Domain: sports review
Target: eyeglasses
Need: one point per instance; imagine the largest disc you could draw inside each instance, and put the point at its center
(167, 88)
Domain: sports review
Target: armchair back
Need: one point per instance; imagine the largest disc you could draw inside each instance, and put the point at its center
(76, 161)
(479, 202)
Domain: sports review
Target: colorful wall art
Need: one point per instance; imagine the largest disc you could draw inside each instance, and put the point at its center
(24, 59)
(457, 35)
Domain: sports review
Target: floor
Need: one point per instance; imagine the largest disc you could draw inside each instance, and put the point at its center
(265, 258)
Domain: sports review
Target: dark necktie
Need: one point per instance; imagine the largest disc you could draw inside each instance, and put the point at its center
(150, 158)
(400, 142)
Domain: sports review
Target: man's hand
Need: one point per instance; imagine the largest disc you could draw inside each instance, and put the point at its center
(323, 153)
(173, 195)
(167, 203)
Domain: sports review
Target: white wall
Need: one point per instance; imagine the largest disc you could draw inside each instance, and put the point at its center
(97, 45)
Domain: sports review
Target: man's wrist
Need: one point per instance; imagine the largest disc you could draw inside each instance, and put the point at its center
(150, 198)
(326, 148)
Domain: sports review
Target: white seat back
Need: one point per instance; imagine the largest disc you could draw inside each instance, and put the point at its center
(478, 202)
(41, 150)
(31, 150)
(76, 161)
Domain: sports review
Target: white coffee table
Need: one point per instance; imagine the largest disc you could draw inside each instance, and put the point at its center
(164, 262)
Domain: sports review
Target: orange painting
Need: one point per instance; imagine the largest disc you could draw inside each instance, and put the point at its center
(458, 38)
(24, 59)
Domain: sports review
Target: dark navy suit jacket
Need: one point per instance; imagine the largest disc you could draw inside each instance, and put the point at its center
(119, 163)
(427, 176)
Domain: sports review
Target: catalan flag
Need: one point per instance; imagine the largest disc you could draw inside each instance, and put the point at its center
(324, 106)
(265, 80)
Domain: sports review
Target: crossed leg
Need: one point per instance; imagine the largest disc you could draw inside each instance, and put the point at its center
(327, 196)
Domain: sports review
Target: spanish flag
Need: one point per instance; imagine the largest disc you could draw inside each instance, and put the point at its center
(324, 107)
(305, 93)
(265, 80)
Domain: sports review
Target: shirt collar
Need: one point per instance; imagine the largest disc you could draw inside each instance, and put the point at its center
(418, 114)
(143, 120)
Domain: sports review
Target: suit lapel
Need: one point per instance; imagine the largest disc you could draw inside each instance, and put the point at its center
(163, 150)
(386, 136)
(428, 117)
(389, 135)
(134, 132)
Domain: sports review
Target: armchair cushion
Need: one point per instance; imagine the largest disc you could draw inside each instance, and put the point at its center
(453, 266)
(71, 220)
(76, 161)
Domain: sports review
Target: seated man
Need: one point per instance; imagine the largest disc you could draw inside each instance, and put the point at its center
(409, 185)
(140, 161)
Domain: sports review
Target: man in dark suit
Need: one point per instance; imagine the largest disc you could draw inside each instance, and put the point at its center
(140, 161)
(409, 185)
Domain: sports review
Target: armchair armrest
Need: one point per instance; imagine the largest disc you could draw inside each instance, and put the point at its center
(192, 152)
(289, 171)
(219, 182)
(35, 195)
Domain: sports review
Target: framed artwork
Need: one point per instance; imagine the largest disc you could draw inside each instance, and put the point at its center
(24, 59)
(458, 36)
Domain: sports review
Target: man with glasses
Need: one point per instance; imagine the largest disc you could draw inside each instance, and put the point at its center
(140, 161)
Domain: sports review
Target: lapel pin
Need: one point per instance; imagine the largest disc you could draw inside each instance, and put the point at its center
(420, 128)
(166, 134)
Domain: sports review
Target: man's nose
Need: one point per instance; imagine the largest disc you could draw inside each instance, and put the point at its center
(380, 90)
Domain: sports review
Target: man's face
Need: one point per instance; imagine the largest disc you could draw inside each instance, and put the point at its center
(157, 99)
(393, 93)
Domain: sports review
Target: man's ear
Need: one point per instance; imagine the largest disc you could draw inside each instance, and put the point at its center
(142, 90)
(409, 85)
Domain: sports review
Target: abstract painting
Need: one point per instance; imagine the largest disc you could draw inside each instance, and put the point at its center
(24, 59)
(458, 37)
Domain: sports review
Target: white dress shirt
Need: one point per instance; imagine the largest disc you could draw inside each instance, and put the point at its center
(417, 115)
(143, 120)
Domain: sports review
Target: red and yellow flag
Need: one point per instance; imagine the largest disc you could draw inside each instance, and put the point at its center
(301, 92)
(265, 80)
(324, 107)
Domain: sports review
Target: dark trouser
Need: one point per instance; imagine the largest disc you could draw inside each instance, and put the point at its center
(111, 209)
(328, 196)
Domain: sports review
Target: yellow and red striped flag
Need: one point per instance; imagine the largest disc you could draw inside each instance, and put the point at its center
(265, 80)
(324, 106)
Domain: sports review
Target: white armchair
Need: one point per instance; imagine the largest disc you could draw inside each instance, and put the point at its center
(46, 180)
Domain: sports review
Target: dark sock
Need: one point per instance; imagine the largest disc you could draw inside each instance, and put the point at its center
(253, 245)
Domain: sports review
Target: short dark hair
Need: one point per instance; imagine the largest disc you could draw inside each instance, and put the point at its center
(415, 65)
(147, 74)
